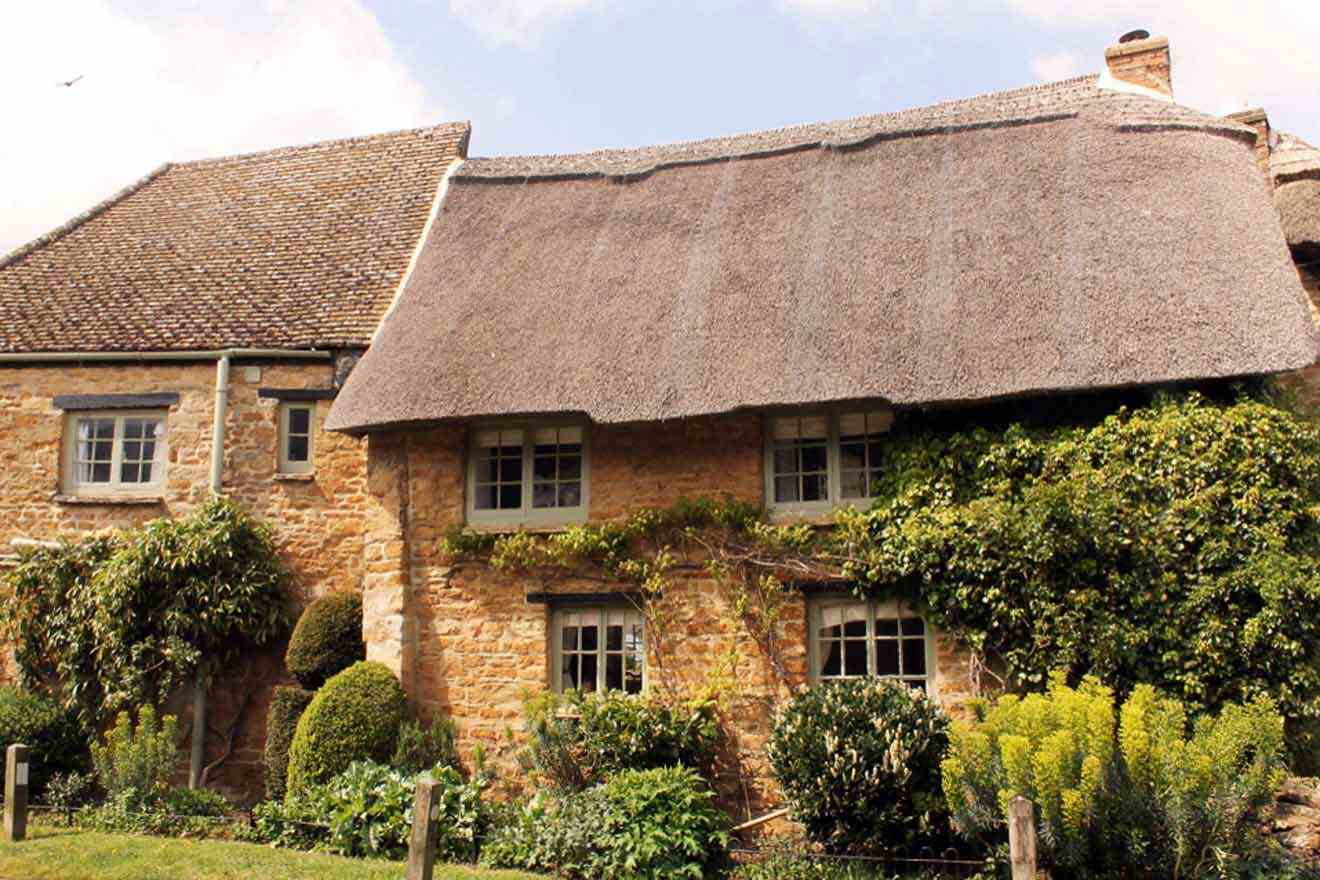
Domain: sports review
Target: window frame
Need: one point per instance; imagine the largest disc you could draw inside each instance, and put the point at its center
(73, 486)
(816, 606)
(526, 514)
(602, 609)
(285, 465)
(833, 463)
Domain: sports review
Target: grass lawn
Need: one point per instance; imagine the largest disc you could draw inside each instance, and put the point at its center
(69, 854)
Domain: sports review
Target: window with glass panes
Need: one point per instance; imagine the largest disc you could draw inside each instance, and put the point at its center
(116, 451)
(296, 439)
(852, 639)
(527, 474)
(819, 460)
(599, 649)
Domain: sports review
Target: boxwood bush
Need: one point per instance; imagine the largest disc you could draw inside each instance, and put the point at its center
(326, 640)
(287, 705)
(355, 717)
(645, 824)
(58, 743)
(859, 763)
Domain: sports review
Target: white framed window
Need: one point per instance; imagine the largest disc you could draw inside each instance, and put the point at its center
(854, 638)
(527, 475)
(598, 648)
(115, 452)
(815, 462)
(297, 438)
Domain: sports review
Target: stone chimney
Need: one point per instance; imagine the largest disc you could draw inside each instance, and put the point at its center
(1256, 118)
(1142, 60)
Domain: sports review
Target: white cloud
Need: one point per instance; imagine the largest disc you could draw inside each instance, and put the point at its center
(517, 21)
(1057, 65)
(263, 73)
(1226, 54)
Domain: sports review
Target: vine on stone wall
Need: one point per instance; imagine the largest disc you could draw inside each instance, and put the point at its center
(1174, 542)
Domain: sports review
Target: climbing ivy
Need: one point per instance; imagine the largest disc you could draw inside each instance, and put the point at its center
(119, 620)
(1172, 542)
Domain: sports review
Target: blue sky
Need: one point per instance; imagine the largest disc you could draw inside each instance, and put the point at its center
(181, 79)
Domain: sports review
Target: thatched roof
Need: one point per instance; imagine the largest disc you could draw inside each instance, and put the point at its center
(1054, 238)
(1293, 159)
(298, 247)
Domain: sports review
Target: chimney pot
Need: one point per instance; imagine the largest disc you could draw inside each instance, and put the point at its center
(1138, 34)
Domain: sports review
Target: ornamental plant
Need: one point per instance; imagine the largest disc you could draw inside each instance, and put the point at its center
(120, 620)
(326, 640)
(1143, 791)
(859, 763)
(134, 765)
(57, 740)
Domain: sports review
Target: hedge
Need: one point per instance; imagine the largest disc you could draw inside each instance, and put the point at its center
(355, 717)
(327, 639)
(286, 707)
(57, 742)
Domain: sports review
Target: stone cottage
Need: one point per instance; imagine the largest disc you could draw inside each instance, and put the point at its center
(748, 315)
(562, 339)
(212, 307)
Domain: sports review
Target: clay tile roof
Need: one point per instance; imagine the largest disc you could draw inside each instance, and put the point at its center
(302, 247)
(1059, 237)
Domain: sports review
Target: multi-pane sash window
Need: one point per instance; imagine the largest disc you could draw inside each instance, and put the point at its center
(296, 437)
(818, 461)
(116, 452)
(528, 475)
(599, 649)
(852, 639)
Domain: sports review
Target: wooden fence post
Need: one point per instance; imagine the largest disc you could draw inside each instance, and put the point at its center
(16, 793)
(425, 831)
(1022, 838)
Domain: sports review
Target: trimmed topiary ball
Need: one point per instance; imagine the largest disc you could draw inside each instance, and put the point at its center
(355, 717)
(287, 705)
(859, 763)
(327, 639)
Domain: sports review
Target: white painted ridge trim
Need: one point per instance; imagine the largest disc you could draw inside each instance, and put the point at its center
(440, 193)
(1114, 84)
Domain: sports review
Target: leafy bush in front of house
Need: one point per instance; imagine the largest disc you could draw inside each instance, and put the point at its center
(326, 640)
(121, 620)
(135, 764)
(287, 705)
(56, 740)
(421, 748)
(576, 740)
(354, 717)
(859, 763)
(656, 824)
(366, 811)
(1152, 793)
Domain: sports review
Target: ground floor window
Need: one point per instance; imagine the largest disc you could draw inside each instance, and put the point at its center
(598, 648)
(852, 638)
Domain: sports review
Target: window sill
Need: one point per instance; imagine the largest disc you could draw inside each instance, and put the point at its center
(120, 500)
(823, 515)
(295, 478)
(487, 528)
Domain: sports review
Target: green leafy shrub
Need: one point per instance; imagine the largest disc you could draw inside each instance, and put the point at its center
(134, 766)
(420, 748)
(354, 717)
(122, 815)
(654, 824)
(366, 811)
(57, 742)
(114, 622)
(1150, 794)
(326, 640)
(858, 762)
(196, 802)
(287, 705)
(576, 740)
(67, 792)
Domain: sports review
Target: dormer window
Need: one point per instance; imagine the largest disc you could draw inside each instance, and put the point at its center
(818, 461)
(527, 475)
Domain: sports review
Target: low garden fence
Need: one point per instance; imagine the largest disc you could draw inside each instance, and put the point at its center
(924, 864)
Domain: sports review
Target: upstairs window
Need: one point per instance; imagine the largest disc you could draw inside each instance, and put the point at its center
(818, 461)
(528, 475)
(115, 452)
(598, 649)
(297, 438)
(852, 638)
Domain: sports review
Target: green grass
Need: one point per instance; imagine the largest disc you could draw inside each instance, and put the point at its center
(69, 854)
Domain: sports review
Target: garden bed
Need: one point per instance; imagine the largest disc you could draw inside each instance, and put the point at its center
(70, 854)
